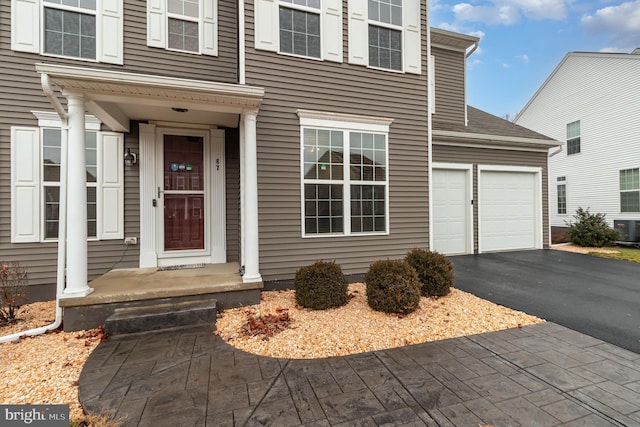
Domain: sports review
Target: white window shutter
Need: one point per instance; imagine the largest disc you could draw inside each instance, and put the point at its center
(25, 184)
(267, 30)
(412, 45)
(332, 31)
(25, 25)
(209, 32)
(110, 30)
(156, 23)
(432, 84)
(110, 186)
(358, 32)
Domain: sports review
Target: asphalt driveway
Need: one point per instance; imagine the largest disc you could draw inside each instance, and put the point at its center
(596, 296)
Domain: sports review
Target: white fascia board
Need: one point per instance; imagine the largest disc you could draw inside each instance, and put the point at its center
(443, 137)
(69, 75)
(50, 119)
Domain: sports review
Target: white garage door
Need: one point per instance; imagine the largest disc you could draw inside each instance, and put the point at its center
(507, 211)
(451, 213)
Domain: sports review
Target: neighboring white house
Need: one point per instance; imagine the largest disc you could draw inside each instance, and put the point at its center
(592, 102)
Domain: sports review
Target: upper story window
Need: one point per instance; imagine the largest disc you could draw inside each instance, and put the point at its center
(573, 137)
(70, 28)
(385, 34)
(630, 190)
(183, 25)
(89, 30)
(299, 22)
(306, 28)
(562, 195)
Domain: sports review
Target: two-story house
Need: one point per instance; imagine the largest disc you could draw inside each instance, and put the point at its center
(591, 101)
(267, 133)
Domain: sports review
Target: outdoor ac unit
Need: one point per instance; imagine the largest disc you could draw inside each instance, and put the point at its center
(629, 228)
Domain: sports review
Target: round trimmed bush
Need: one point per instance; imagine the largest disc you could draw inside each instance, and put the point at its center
(392, 287)
(321, 285)
(435, 272)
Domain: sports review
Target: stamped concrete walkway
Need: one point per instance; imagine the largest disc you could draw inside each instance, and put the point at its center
(541, 375)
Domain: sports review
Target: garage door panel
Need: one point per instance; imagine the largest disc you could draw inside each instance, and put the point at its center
(507, 210)
(450, 211)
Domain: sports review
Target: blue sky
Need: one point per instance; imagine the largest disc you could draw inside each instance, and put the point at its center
(522, 41)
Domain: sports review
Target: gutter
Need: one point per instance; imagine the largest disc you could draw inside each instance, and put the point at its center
(62, 226)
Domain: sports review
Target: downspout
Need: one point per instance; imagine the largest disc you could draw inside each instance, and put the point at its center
(62, 225)
(558, 151)
(241, 42)
(430, 99)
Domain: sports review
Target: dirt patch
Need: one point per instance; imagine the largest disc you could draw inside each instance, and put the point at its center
(582, 249)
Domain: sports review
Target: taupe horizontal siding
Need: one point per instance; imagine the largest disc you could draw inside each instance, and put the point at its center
(296, 83)
(450, 85)
(485, 156)
(232, 193)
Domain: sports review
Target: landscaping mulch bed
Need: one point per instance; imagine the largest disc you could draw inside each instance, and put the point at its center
(264, 329)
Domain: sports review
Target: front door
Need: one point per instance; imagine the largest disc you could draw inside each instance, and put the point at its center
(184, 187)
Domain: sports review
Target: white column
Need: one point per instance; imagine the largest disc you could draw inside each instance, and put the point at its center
(77, 257)
(148, 193)
(250, 200)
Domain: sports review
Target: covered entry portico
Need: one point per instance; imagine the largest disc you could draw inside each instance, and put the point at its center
(181, 163)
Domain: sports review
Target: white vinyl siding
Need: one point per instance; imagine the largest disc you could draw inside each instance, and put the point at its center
(183, 25)
(272, 34)
(630, 190)
(84, 30)
(601, 90)
(34, 200)
(360, 31)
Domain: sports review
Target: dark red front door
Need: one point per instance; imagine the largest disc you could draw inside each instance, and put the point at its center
(184, 190)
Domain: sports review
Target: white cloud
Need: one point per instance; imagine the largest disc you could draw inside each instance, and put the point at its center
(524, 58)
(472, 63)
(509, 12)
(506, 66)
(620, 23)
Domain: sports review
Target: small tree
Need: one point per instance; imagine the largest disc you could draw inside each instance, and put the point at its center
(591, 229)
(13, 284)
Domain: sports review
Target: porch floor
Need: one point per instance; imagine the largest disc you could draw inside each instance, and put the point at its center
(140, 284)
(220, 284)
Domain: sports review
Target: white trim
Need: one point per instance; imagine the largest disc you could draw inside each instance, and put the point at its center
(343, 121)
(468, 168)
(147, 166)
(50, 119)
(444, 137)
(346, 182)
(538, 220)
(119, 78)
(218, 199)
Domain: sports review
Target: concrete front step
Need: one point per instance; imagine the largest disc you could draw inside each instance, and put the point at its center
(161, 316)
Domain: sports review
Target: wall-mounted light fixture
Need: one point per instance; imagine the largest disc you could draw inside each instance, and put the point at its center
(130, 158)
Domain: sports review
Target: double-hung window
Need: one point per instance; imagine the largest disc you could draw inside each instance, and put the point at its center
(183, 25)
(35, 181)
(299, 22)
(630, 190)
(385, 34)
(89, 30)
(344, 177)
(70, 28)
(305, 28)
(562, 195)
(573, 138)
